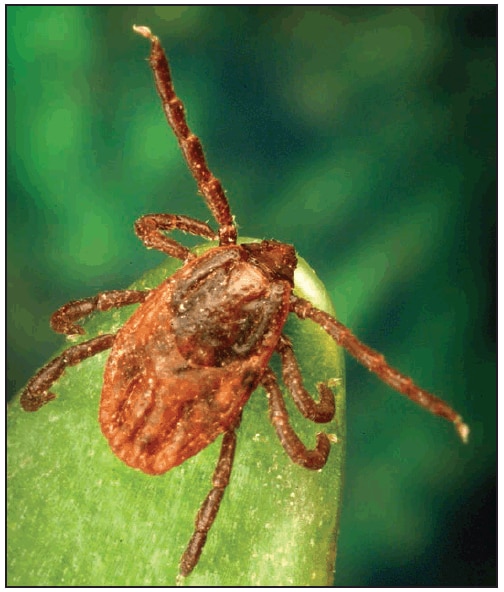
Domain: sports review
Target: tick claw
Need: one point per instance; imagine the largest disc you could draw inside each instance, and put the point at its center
(462, 429)
(142, 30)
(31, 402)
(75, 330)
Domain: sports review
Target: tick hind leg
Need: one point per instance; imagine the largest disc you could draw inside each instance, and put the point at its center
(208, 185)
(37, 391)
(375, 362)
(296, 450)
(208, 511)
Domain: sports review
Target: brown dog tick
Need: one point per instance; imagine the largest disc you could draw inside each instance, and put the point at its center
(184, 365)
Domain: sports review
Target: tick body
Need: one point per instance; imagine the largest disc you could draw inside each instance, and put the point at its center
(182, 368)
(169, 393)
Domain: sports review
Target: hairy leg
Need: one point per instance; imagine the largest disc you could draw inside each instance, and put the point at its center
(319, 412)
(376, 362)
(208, 511)
(208, 185)
(63, 320)
(149, 229)
(297, 451)
(37, 392)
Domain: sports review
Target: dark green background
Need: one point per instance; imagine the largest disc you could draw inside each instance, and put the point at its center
(364, 136)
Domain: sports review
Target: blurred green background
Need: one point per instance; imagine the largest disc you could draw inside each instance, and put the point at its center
(366, 136)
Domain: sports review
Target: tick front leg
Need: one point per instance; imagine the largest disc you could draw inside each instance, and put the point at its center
(319, 412)
(62, 321)
(297, 451)
(37, 392)
(376, 362)
(208, 511)
(208, 185)
(150, 228)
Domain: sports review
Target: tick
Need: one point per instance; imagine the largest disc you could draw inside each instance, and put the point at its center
(184, 365)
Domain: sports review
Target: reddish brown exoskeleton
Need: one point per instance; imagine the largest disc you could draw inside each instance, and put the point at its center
(184, 365)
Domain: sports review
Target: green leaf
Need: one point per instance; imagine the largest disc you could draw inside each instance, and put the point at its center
(78, 516)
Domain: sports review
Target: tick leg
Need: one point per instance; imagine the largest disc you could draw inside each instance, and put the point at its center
(149, 230)
(36, 392)
(375, 362)
(320, 412)
(62, 321)
(208, 185)
(208, 511)
(297, 451)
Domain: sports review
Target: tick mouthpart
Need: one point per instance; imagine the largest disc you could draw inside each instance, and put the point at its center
(275, 257)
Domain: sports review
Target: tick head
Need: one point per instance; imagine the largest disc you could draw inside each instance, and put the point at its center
(277, 259)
